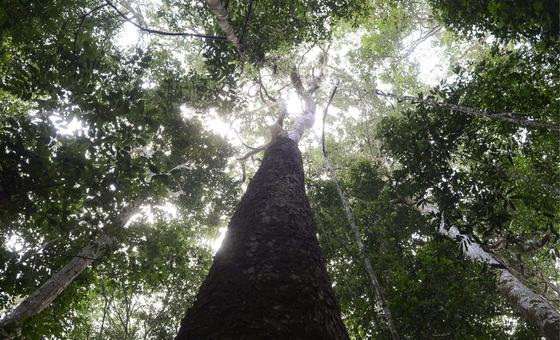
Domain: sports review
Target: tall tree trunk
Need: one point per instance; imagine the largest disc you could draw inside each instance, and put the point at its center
(44, 295)
(268, 280)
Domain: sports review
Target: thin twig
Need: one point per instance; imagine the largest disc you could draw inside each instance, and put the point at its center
(242, 142)
(263, 89)
(81, 24)
(325, 118)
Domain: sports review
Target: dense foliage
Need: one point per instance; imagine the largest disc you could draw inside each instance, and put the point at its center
(536, 21)
(102, 138)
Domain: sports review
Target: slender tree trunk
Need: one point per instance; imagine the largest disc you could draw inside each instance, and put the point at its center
(44, 295)
(376, 286)
(532, 306)
(268, 280)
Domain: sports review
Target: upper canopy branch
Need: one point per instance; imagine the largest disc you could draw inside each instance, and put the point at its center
(307, 118)
(223, 21)
(263, 90)
(160, 32)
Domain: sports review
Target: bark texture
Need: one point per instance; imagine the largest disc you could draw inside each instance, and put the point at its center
(44, 295)
(268, 280)
(534, 307)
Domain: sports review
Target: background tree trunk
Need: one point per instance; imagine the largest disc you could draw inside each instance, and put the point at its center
(53, 287)
(268, 280)
(532, 306)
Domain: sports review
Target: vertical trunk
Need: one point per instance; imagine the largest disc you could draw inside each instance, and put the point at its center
(376, 286)
(268, 280)
(44, 295)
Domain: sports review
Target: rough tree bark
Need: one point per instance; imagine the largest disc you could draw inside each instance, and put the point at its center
(268, 280)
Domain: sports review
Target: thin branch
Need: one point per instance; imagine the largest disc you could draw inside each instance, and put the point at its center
(325, 118)
(32, 252)
(410, 49)
(531, 245)
(273, 131)
(136, 12)
(242, 142)
(263, 89)
(505, 116)
(105, 310)
(81, 24)
(305, 53)
(160, 32)
(545, 280)
(378, 291)
(246, 22)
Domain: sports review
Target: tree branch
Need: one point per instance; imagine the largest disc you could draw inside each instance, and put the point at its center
(296, 82)
(534, 307)
(160, 32)
(81, 24)
(246, 22)
(505, 116)
(223, 21)
(263, 89)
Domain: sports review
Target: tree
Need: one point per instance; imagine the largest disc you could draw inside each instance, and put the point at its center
(423, 277)
(268, 279)
(508, 20)
(103, 110)
(60, 193)
(471, 169)
(90, 128)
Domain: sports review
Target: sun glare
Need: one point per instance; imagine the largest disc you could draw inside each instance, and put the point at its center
(217, 242)
(128, 36)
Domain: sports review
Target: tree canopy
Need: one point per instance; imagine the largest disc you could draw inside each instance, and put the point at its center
(121, 124)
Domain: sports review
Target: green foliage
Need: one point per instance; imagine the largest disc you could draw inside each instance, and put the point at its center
(492, 178)
(89, 130)
(535, 21)
(61, 187)
(430, 289)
